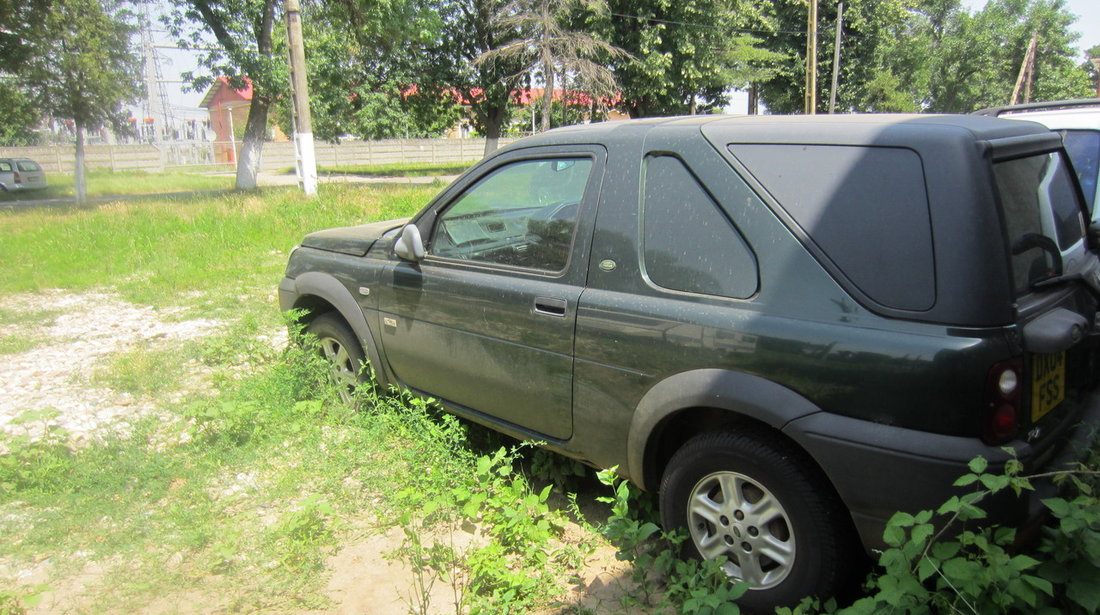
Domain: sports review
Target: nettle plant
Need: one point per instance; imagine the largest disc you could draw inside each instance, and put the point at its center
(666, 582)
(936, 563)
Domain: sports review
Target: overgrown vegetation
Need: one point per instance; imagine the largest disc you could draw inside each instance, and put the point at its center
(938, 563)
(226, 251)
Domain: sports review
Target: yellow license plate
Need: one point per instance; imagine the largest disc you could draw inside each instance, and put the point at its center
(1048, 383)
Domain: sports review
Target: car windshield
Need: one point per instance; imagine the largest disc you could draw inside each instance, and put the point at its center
(1043, 217)
(1083, 148)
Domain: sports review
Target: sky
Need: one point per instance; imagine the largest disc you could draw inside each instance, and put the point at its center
(185, 103)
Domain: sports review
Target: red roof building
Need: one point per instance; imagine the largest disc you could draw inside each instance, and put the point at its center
(228, 108)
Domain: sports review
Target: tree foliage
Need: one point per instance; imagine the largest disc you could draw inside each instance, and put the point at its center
(79, 65)
(552, 42)
(370, 71)
(247, 49)
(21, 116)
(926, 55)
(469, 29)
(978, 59)
(686, 54)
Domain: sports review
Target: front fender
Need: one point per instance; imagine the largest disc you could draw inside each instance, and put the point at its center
(736, 392)
(328, 288)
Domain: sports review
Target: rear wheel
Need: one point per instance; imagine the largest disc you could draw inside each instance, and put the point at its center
(341, 349)
(753, 500)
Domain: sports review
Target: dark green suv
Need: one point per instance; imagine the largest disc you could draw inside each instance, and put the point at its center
(789, 327)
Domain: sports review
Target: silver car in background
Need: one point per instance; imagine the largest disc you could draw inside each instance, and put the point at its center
(21, 174)
(1078, 121)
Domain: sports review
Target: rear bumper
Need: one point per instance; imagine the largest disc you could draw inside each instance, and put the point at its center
(878, 469)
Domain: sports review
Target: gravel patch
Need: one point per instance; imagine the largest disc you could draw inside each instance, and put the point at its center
(54, 373)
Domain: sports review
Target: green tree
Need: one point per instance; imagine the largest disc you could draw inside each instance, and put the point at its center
(979, 58)
(469, 29)
(877, 64)
(80, 66)
(1093, 54)
(21, 116)
(370, 73)
(248, 50)
(549, 44)
(685, 55)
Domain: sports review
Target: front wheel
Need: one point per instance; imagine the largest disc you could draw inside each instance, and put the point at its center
(753, 500)
(341, 349)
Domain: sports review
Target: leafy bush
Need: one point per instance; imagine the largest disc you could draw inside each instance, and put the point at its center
(935, 566)
(30, 463)
(668, 582)
(511, 564)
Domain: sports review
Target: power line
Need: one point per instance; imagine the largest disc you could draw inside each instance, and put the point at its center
(704, 25)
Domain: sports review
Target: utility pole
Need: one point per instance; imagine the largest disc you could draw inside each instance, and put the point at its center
(836, 57)
(811, 58)
(303, 126)
(1027, 72)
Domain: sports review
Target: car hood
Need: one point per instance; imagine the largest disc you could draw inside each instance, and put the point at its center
(352, 240)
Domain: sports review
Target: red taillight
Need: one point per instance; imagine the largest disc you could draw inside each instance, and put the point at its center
(1002, 399)
(15, 177)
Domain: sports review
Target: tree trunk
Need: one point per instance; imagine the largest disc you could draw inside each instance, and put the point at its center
(493, 120)
(248, 164)
(81, 186)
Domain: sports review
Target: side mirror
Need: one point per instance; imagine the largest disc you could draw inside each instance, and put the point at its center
(409, 245)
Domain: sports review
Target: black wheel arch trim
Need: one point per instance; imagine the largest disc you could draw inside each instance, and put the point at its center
(328, 288)
(737, 392)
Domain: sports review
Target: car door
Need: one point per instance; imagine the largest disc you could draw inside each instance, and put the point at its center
(485, 322)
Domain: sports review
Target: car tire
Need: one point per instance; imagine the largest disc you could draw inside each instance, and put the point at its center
(796, 545)
(340, 347)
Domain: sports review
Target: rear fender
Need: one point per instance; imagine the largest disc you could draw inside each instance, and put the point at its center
(742, 394)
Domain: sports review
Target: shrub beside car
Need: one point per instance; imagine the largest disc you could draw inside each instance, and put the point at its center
(788, 327)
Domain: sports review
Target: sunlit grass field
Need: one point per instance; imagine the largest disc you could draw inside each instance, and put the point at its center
(106, 183)
(153, 250)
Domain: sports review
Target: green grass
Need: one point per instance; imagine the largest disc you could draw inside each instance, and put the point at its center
(15, 344)
(223, 248)
(107, 183)
(421, 169)
(244, 494)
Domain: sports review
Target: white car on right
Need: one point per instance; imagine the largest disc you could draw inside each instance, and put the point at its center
(1078, 121)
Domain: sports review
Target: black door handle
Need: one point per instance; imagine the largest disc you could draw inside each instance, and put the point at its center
(550, 306)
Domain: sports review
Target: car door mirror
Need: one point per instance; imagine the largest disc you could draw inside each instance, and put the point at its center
(410, 246)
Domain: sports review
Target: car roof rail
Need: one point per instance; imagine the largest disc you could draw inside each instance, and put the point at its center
(1037, 106)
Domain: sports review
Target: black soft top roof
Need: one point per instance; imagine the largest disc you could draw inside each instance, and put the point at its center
(855, 129)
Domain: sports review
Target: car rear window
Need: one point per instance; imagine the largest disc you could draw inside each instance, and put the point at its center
(1083, 148)
(27, 165)
(1039, 202)
(866, 208)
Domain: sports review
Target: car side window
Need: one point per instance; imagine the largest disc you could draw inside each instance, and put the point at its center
(522, 214)
(689, 243)
(5, 166)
